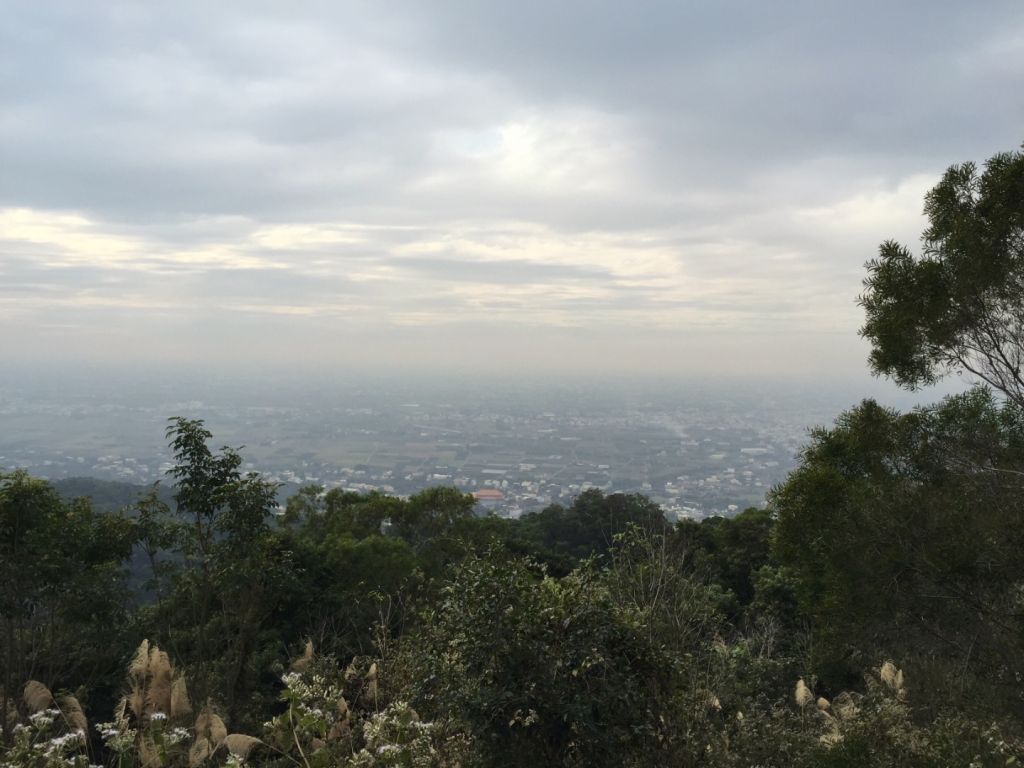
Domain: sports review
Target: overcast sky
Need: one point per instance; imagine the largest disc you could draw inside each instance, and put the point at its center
(547, 186)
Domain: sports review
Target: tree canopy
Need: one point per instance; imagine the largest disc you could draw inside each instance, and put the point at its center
(959, 306)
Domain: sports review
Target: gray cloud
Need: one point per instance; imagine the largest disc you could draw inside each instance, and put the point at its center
(417, 177)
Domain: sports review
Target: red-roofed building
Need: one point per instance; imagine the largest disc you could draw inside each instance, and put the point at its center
(489, 498)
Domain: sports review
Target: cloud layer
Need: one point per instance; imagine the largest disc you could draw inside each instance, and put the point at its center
(453, 185)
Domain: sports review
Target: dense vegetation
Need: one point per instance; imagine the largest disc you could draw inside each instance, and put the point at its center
(872, 615)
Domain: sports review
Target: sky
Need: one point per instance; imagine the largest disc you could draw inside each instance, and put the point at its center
(678, 188)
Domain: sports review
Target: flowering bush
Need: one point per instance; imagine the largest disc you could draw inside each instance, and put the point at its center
(397, 737)
(336, 718)
(44, 742)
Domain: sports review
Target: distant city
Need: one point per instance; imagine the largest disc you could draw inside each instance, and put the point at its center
(696, 450)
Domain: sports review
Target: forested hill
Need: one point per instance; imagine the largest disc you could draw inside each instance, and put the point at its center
(872, 616)
(106, 495)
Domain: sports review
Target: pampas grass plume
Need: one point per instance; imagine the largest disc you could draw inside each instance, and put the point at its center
(832, 738)
(240, 744)
(892, 676)
(181, 706)
(139, 666)
(149, 757)
(199, 752)
(303, 661)
(802, 694)
(845, 706)
(341, 725)
(371, 682)
(211, 727)
(121, 710)
(158, 692)
(888, 674)
(136, 700)
(37, 696)
(73, 714)
(10, 716)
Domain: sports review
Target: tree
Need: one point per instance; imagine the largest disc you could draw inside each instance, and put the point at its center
(433, 522)
(539, 671)
(340, 512)
(63, 603)
(728, 551)
(903, 531)
(960, 305)
(906, 533)
(431, 514)
(236, 571)
(563, 536)
(353, 576)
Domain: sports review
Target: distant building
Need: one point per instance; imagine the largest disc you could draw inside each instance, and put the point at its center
(489, 498)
